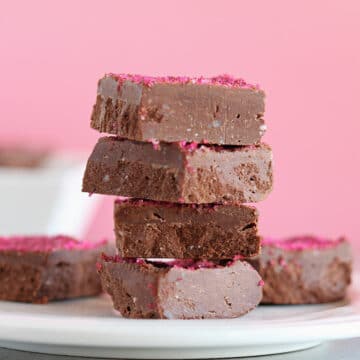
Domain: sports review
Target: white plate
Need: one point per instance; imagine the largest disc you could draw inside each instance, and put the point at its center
(91, 328)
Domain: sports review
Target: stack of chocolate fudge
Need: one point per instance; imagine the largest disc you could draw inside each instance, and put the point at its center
(184, 158)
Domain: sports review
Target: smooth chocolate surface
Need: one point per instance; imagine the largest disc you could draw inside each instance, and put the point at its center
(152, 290)
(152, 229)
(39, 270)
(219, 110)
(304, 270)
(179, 172)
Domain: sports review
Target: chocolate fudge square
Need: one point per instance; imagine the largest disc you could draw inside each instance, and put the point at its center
(180, 289)
(179, 172)
(305, 270)
(152, 229)
(42, 269)
(218, 110)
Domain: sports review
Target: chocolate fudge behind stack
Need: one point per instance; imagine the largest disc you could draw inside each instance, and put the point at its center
(187, 155)
(304, 270)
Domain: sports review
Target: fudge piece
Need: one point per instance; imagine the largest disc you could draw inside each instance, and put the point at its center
(218, 110)
(152, 229)
(180, 289)
(41, 269)
(21, 157)
(179, 172)
(304, 270)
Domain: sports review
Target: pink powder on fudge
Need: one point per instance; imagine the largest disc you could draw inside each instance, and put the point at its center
(45, 243)
(219, 80)
(238, 257)
(122, 199)
(302, 243)
(188, 146)
(155, 144)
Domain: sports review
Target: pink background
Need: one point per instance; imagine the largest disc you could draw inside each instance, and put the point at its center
(305, 54)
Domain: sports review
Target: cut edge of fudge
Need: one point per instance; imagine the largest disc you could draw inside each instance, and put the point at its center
(180, 289)
(179, 172)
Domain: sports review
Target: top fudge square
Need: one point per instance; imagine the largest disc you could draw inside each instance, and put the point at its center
(220, 110)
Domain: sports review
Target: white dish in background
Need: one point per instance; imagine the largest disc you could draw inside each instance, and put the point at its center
(90, 328)
(45, 200)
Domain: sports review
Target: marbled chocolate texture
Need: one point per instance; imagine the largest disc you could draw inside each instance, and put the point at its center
(174, 111)
(44, 270)
(145, 290)
(152, 229)
(176, 173)
(304, 271)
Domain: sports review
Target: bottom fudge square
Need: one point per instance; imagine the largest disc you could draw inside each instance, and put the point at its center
(180, 289)
(304, 270)
(41, 269)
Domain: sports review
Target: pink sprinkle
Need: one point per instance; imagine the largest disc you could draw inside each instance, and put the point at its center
(99, 266)
(46, 243)
(300, 243)
(188, 146)
(261, 282)
(282, 262)
(140, 261)
(220, 80)
(153, 289)
(205, 264)
(190, 169)
(181, 200)
(155, 143)
(115, 258)
(122, 199)
(238, 257)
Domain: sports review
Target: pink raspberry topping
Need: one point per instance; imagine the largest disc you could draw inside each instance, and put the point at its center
(188, 146)
(299, 243)
(155, 144)
(46, 243)
(219, 80)
(238, 257)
